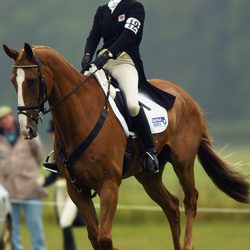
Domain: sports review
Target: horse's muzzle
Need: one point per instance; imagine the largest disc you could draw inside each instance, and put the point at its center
(32, 133)
(29, 132)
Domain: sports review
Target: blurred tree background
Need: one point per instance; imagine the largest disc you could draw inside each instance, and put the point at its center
(203, 46)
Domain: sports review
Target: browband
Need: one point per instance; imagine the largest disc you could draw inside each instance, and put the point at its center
(25, 66)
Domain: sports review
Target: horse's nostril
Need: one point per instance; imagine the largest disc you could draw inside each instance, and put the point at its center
(32, 133)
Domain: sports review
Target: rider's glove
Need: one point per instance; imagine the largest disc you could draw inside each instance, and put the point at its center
(85, 63)
(101, 60)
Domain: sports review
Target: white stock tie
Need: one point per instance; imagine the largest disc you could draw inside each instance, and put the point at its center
(113, 4)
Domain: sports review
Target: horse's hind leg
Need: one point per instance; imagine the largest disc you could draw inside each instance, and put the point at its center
(87, 210)
(155, 188)
(185, 173)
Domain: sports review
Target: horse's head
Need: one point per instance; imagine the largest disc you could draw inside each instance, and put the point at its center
(31, 88)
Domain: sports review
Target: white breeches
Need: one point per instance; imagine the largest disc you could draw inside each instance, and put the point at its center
(124, 72)
(66, 209)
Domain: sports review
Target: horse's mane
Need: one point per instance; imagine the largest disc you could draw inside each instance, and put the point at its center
(41, 47)
(53, 52)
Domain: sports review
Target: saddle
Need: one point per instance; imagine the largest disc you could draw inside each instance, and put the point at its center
(157, 115)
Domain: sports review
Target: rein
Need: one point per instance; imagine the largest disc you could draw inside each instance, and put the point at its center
(69, 94)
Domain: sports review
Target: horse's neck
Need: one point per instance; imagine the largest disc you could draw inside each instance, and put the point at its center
(75, 116)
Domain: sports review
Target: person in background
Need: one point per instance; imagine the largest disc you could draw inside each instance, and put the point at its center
(67, 212)
(20, 162)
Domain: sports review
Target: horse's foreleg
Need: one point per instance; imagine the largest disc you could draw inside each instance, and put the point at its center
(87, 210)
(186, 177)
(108, 205)
(170, 205)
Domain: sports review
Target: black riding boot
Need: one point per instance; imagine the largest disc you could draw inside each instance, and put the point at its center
(68, 239)
(143, 132)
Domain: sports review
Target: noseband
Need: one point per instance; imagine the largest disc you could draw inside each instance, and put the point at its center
(39, 107)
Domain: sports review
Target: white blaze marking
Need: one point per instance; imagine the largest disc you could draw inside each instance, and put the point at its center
(23, 121)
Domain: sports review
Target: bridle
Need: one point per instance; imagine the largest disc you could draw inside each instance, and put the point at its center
(39, 107)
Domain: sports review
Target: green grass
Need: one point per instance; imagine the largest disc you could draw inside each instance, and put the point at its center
(215, 235)
(149, 230)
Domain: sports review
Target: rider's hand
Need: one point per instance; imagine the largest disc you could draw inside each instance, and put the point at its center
(85, 63)
(101, 60)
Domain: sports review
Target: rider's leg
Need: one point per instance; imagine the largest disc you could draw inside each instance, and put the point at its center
(144, 134)
(124, 71)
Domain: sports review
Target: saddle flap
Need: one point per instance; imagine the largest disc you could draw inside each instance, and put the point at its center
(157, 115)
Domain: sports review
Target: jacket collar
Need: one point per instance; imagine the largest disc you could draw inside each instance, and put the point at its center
(123, 5)
(113, 4)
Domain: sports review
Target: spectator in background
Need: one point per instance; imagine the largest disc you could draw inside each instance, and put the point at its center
(20, 162)
(67, 212)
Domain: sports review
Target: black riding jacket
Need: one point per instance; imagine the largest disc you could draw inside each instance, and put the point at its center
(121, 31)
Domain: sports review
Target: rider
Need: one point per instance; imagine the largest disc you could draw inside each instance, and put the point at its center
(120, 23)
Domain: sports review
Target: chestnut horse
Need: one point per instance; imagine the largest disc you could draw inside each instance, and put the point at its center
(100, 167)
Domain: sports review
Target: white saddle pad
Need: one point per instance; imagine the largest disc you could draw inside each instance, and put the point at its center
(157, 116)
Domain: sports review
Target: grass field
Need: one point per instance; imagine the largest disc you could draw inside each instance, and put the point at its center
(150, 231)
(208, 235)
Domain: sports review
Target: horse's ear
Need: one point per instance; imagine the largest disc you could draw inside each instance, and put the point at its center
(28, 50)
(12, 53)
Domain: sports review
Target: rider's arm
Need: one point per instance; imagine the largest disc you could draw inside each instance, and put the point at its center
(134, 23)
(94, 36)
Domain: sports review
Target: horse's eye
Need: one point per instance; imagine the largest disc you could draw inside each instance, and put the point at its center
(31, 81)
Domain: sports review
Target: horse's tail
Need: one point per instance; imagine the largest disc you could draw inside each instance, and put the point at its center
(223, 174)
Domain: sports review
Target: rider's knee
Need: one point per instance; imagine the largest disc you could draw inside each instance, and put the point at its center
(133, 109)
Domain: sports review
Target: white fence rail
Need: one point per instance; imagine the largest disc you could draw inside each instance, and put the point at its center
(149, 208)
